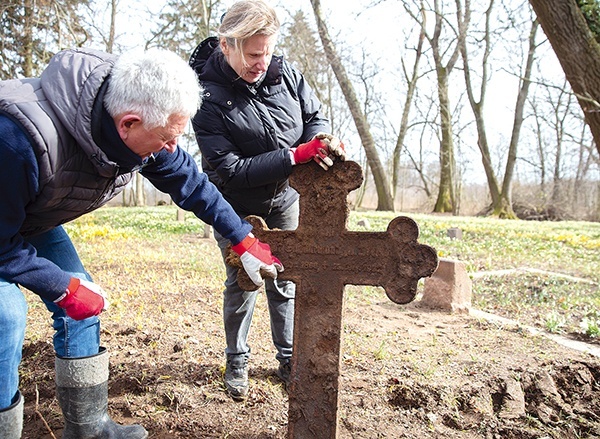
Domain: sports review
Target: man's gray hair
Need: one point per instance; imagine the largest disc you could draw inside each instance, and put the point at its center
(155, 85)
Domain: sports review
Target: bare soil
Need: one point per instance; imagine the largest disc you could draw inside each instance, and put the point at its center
(406, 371)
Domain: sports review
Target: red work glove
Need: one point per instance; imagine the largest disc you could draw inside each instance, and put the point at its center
(82, 299)
(313, 150)
(335, 145)
(256, 255)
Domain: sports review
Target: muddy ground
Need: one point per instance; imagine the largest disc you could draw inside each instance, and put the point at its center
(406, 371)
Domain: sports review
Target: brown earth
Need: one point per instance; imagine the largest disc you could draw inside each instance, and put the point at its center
(406, 372)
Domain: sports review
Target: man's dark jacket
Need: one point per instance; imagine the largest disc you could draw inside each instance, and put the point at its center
(245, 131)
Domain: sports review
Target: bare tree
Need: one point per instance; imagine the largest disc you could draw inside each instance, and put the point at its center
(31, 32)
(501, 196)
(566, 160)
(446, 199)
(301, 46)
(560, 113)
(106, 31)
(444, 65)
(578, 52)
(184, 23)
(502, 206)
(110, 41)
(411, 79)
(384, 198)
(418, 162)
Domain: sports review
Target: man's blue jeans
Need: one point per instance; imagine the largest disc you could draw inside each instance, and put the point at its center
(238, 305)
(72, 338)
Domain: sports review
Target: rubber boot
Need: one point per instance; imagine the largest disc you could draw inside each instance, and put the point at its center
(11, 420)
(82, 392)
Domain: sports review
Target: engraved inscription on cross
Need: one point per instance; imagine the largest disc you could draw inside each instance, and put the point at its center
(321, 256)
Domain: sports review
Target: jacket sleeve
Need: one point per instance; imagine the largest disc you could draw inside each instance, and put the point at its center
(19, 262)
(314, 119)
(177, 174)
(235, 168)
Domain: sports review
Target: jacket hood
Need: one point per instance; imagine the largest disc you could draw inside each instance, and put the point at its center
(71, 82)
(201, 54)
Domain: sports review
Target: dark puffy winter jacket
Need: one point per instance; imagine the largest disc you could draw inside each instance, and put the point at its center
(245, 131)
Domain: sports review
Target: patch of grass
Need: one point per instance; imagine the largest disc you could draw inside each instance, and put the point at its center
(590, 324)
(562, 297)
(555, 302)
(139, 222)
(555, 322)
(570, 247)
(382, 352)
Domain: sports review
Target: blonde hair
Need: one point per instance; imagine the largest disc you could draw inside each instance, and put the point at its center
(245, 19)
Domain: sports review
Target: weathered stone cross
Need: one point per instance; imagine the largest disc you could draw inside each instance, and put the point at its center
(321, 256)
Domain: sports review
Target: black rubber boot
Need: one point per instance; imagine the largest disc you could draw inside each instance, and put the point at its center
(11, 420)
(82, 392)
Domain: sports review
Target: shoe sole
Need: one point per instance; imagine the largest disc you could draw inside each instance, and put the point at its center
(235, 393)
(238, 397)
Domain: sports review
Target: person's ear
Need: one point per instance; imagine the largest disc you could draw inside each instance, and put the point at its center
(126, 123)
(224, 46)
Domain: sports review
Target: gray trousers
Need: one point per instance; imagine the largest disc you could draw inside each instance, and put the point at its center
(238, 305)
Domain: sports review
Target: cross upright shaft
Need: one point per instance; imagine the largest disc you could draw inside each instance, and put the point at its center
(321, 256)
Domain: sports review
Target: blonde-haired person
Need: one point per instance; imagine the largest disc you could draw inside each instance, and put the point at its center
(259, 118)
(69, 142)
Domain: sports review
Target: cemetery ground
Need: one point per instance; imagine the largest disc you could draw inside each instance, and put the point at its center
(406, 371)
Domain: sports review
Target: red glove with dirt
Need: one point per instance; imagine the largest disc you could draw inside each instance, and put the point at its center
(313, 150)
(256, 256)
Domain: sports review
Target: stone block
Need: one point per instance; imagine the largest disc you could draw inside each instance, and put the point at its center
(448, 288)
(454, 233)
(208, 232)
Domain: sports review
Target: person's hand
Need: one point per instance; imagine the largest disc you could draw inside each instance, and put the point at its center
(83, 299)
(334, 145)
(256, 256)
(314, 150)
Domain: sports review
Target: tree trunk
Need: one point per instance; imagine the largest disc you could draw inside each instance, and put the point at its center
(446, 200)
(578, 53)
(477, 106)
(385, 201)
(110, 42)
(501, 204)
(412, 87)
(28, 36)
(446, 197)
(506, 194)
(139, 190)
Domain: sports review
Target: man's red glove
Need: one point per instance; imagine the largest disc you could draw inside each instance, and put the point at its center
(315, 149)
(82, 299)
(256, 255)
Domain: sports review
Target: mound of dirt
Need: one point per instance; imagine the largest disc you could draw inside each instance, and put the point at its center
(407, 372)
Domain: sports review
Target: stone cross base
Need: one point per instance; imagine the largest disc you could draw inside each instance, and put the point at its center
(448, 288)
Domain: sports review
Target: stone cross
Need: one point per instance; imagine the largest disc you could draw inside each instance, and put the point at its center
(321, 256)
